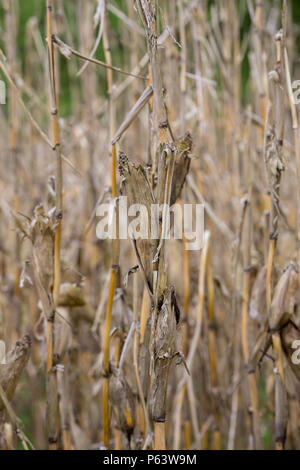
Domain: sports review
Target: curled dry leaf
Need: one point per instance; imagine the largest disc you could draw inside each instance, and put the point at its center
(182, 165)
(136, 187)
(41, 232)
(10, 372)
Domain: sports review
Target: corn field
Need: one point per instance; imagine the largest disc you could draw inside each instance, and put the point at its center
(136, 342)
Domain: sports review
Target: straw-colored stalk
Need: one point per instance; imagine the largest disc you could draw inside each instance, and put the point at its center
(11, 40)
(186, 297)
(51, 376)
(164, 163)
(115, 247)
(245, 347)
(212, 353)
(145, 418)
(274, 215)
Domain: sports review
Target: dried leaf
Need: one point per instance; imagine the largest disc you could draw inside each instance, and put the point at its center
(135, 186)
(182, 166)
(10, 372)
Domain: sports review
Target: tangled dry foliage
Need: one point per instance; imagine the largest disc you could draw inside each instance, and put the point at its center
(143, 344)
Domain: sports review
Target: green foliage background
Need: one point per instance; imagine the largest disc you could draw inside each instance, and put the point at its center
(30, 8)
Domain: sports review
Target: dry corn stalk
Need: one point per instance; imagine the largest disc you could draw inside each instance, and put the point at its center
(41, 232)
(197, 80)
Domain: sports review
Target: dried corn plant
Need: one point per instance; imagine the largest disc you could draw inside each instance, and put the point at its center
(138, 342)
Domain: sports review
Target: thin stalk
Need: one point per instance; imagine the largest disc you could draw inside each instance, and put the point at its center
(65, 49)
(51, 375)
(186, 297)
(115, 245)
(164, 160)
(57, 150)
(212, 352)
(245, 347)
(106, 366)
(183, 61)
(136, 361)
(11, 40)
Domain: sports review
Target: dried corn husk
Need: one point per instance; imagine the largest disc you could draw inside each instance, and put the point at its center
(164, 352)
(71, 295)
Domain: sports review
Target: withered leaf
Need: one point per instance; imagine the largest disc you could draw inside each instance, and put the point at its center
(10, 372)
(136, 187)
(182, 166)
